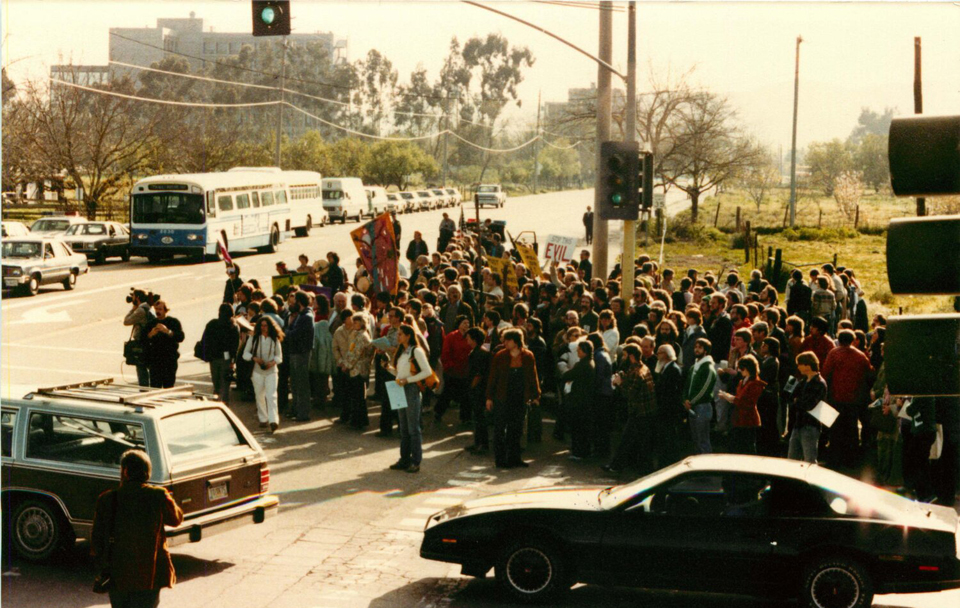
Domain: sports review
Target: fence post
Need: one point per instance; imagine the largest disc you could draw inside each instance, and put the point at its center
(716, 218)
(834, 261)
(746, 241)
(856, 218)
(777, 269)
(785, 211)
(756, 250)
(820, 220)
(738, 219)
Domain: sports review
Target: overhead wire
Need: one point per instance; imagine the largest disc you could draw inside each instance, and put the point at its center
(588, 5)
(170, 102)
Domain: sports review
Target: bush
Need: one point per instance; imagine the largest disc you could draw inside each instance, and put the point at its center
(882, 296)
(697, 233)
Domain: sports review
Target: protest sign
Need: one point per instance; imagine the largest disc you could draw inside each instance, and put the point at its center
(282, 280)
(504, 268)
(530, 259)
(560, 249)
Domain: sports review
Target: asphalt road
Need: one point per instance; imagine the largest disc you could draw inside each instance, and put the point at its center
(348, 531)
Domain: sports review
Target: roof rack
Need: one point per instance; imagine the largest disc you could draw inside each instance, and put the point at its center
(107, 391)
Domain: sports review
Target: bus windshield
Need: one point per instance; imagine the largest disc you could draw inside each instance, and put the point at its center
(167, 208)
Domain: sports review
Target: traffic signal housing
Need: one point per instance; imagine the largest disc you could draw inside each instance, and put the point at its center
(922, 352)
(271, 17)
(646, 180)
(619, 180)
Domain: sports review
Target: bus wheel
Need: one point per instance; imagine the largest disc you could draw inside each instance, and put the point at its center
(274, 240)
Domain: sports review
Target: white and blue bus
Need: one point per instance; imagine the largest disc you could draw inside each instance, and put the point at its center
(185, 214)
(306, 200)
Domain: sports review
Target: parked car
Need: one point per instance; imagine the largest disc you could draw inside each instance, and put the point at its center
(31, 261)
(376, 200)
(394, 202)
(723, 523)
(62, 449)
(442, 197)
(427, 200)
(455, 196)
(344, 197)
(55, 225)
(100, 240)
(410, 202)
(491, 195)
(15, 229)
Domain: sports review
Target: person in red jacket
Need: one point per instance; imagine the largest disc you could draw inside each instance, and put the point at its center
(455, 358)
(818, 342)
(513, 385)
(746, 418)
(847, 372)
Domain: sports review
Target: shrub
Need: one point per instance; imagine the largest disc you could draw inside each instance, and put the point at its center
(882, 296)
(697, 233)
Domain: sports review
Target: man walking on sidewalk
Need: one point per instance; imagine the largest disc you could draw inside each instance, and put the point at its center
(588, 224)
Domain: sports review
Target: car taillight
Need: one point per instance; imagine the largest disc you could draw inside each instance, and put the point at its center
(264, 478)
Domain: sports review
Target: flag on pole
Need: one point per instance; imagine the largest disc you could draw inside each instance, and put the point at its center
(377, 246)
(463, 220)
(222, 250)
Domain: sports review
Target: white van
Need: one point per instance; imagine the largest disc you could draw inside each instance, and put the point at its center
(344, 197)
(377, 201)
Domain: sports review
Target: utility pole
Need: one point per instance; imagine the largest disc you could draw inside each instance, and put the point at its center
(604, 111)
(536, 151)
(446, 112)
(918, 106)
(793, 144)
(283, 75)
(628, 253)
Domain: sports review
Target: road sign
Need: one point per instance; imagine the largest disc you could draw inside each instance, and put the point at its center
(659, 200)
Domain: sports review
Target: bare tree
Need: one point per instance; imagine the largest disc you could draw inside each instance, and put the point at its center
(760, 176)
(97, 140)
(704, 146)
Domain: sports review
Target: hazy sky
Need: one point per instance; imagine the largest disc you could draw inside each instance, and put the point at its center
(854, 54)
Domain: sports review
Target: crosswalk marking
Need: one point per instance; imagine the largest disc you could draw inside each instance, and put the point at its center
(461, 482)
(474, 475)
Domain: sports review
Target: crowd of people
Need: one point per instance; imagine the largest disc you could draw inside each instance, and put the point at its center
(696, 363)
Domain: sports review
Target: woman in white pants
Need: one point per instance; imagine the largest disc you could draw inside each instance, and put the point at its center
(265, 352)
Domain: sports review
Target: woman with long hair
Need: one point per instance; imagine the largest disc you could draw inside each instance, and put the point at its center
(746, 418)
(264, 351)
(608, 329)
(410, 365)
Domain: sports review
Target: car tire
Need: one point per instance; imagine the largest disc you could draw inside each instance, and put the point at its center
(836, 582)
(101, 256)
(71, 281)
(531, 570)
(38, 530)
(32, 286)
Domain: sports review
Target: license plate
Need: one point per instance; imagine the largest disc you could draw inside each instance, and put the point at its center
(10, 282)
(217, 491)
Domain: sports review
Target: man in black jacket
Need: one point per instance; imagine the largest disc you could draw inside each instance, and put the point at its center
(416, 248)
(299, 341)
(798, 298)
(721, 328)
(670, 408)
(768, 406)
(588, 224)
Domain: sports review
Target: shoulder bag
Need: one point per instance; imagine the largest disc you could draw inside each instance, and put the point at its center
(104, 581)
(431, 381)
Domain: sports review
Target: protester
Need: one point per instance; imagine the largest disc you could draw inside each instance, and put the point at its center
(639, 437)
(264, 351)
(746, 418)
(698, 395)
(579, 387)
(803, 428)
(478, 370)
(219, 344)
(512, 385)
(163, 338)
(357, 361)
(410, 366)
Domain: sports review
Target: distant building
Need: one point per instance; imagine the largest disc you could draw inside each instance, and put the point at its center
(581, 102)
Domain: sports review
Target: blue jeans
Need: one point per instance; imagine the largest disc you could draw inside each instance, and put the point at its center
(411, 436)
(699, 417)
(300, 384)
(804, 442)
(143, 375)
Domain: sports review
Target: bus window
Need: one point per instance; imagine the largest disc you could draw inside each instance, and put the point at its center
(225, 202)
(211, 207)
(281, 197)
(266, 199)
(243, 201)
(256, 199)
(167, 208)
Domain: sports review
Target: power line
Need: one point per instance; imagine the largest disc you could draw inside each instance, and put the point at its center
(589, 5)
(190, 104)
(360, 133)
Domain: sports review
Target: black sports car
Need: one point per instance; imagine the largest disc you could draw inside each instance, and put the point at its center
(723, 523)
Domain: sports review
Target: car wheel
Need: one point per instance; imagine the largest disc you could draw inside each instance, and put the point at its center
(32, 286)
(531, 570)
(38, 530)
(71, 281)
(836, 582)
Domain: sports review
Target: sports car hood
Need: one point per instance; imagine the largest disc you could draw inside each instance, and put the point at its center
(577, 498)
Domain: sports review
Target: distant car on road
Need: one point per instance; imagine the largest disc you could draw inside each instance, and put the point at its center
(722, 523)
(100, 240)
(491, 195)
(31, 261)
(410, 202)
(376, 200)
(394, 204)
(62, 449)
(15, 229)
(427, 200)
(443, 198)
(54, 225)
(454, 196)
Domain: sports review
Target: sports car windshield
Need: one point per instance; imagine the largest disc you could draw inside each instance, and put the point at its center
(87, 229)
(613, 496)
(21, 250)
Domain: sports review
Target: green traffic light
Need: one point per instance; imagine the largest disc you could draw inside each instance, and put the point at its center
(268, 15)
(616, 199)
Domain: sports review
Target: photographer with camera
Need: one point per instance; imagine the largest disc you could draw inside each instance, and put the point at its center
(139, 318)
(163, 342)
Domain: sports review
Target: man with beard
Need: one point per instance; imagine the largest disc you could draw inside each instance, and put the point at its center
(698, 396)
(670, 409)
(589, 320)
(636, 384)
(720, 330)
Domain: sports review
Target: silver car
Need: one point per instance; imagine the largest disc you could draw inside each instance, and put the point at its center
(31, 261)
(51, 226)
(100, 240)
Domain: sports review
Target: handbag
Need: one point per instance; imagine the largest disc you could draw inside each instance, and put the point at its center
(430, 382)
(104, 582)
(133, 351)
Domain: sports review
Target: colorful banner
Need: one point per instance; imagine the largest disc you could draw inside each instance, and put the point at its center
(377, 246)
(282, 280)
(504, 268)
(530, 259)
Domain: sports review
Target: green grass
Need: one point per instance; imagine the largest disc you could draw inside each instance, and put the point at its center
(703, 247)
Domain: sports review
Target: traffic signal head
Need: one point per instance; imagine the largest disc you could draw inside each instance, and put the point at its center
(271, 17)
(646, 180)
(619, 181)
(924, 153)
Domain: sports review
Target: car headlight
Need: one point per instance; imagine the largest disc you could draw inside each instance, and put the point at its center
(16, 272)
(193, 237)
(141, 237)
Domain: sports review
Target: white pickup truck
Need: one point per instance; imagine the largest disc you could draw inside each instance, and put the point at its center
(490, 194)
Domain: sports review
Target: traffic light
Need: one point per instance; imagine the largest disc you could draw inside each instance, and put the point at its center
(619, 180)
(271, 17)
(922, 352)
(646, 180)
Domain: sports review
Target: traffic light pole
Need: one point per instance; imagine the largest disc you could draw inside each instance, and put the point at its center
(283, 75)
(604, 111)
(628, 254)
